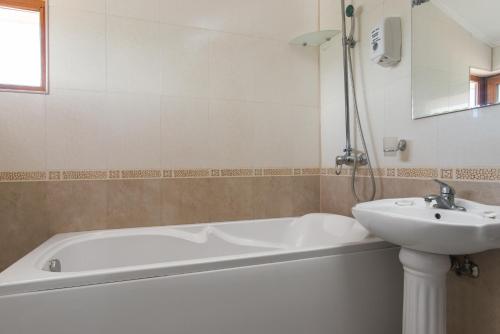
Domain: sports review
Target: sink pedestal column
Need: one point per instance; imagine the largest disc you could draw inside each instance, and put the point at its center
(424, 310)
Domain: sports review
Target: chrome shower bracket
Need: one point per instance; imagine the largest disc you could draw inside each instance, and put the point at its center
(350, 42)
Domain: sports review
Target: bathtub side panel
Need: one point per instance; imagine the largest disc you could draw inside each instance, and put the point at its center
(348, 294)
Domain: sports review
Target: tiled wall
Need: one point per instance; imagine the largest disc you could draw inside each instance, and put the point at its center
(168, 112)
(31, 212)
(162, 112)
(473, 305)
(457, 147)
(385, 103)
(168, 84)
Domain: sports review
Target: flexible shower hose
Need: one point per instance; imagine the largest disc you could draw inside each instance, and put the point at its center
(363, 141)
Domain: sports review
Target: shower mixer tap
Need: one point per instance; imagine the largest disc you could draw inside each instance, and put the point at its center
(350, 159)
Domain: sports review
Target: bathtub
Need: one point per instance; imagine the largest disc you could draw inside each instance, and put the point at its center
(316, 274)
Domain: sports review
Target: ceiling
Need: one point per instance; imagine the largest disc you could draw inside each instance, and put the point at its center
(480, 17)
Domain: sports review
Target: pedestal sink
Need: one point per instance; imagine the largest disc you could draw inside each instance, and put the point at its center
(428, 236)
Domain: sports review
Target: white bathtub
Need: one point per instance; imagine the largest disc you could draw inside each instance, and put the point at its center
(315, 274)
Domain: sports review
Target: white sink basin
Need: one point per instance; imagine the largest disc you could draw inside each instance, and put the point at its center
(414, 224)
(427, 236)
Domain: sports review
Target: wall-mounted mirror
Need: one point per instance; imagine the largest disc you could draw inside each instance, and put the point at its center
(455, 55)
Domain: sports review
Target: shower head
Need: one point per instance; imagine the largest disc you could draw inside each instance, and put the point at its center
(349, 12)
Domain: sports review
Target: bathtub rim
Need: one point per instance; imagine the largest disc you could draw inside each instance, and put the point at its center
(24, 276)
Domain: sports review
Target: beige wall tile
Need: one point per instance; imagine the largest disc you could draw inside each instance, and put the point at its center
(335, 195)
(273, 146)
(235, 16)
(134, 55)
(185, 61)
(484, 192)
(77, 49)
(234, 53)
(134, 133)
(232, 131)
(76, 206)
(76, 130)
(232, 66)
(186, 201)
(144, 9)
(23, 220)
(305, 138)
(295, 18)
(22, 132)
(474, 305)
(288, 196)
(232, 199)
(185, 133)
(305, 195)
(133, 203)
(302, 85)
(273, 197)
(330, 16)
(396, 188)
(88, 5)
(286, 74)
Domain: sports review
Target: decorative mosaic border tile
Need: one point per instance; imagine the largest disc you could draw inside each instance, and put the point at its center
(77, 175)
(481, 174)
(458, 174)
(22, 176)
(54, 175)
(278, 172)
(417, 172)
(184, 173)
(84, 175)
(141, 174)
(333, 172)
(447, 173)
(310, 171)
(378, 172)
(236, 172)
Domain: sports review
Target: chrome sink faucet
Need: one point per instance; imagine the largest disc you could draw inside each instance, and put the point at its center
(446, 199)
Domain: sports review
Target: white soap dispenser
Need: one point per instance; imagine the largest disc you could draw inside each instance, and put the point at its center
(385, 42)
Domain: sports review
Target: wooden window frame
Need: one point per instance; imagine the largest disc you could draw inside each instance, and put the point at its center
(492, 84)
(39, 6)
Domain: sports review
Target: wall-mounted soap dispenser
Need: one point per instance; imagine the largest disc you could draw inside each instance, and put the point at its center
(385, 42)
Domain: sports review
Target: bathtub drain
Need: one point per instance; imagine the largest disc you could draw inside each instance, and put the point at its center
(55, 266)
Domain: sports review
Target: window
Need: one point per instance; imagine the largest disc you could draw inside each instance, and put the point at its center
(473, 95)
(23, 61)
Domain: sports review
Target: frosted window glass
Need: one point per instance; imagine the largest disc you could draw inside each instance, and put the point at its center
(20, 56)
